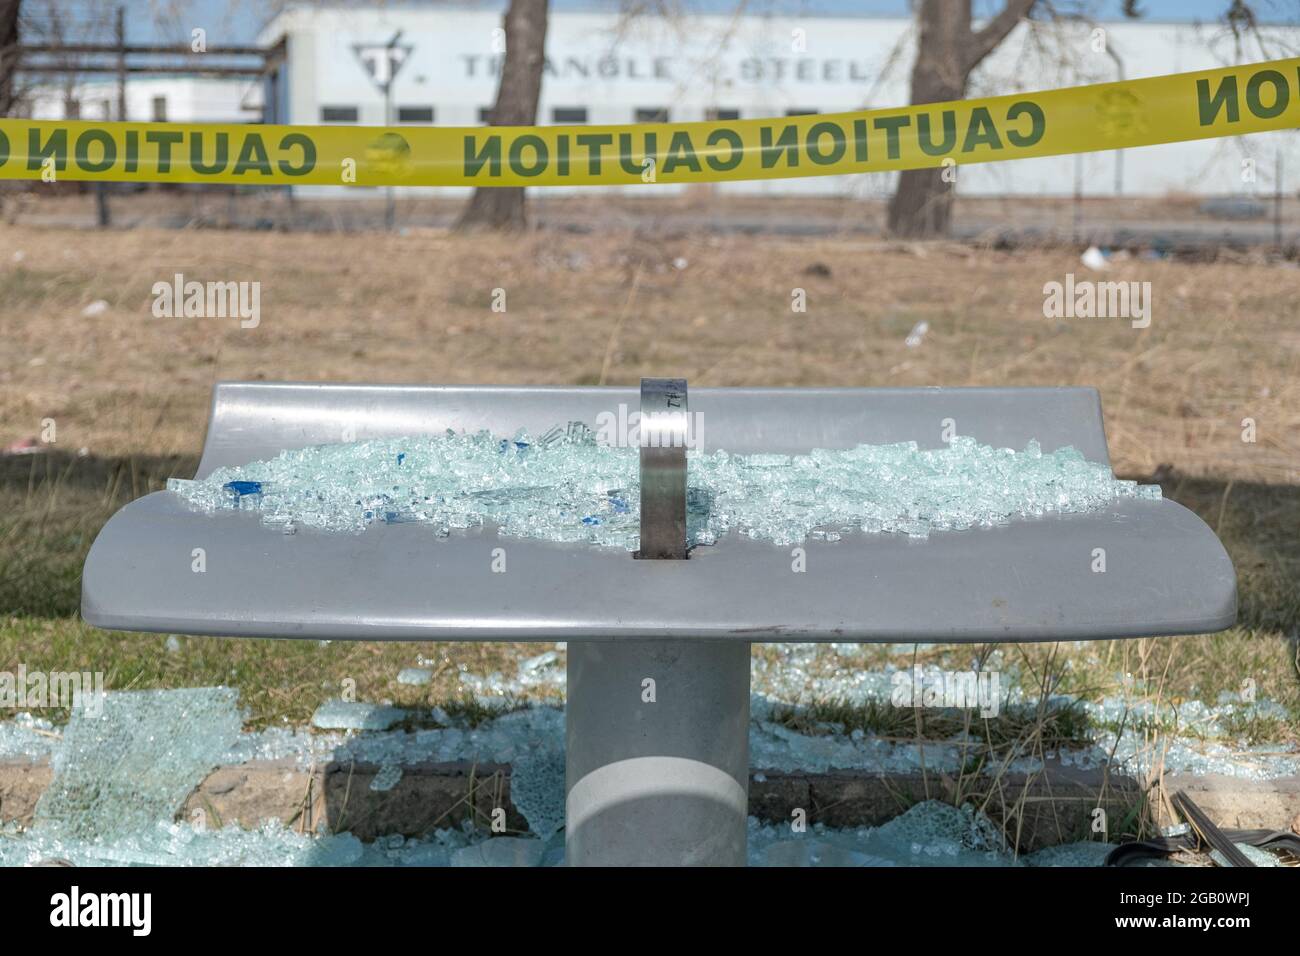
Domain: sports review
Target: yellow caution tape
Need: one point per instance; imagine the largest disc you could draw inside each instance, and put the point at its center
(1106, 116)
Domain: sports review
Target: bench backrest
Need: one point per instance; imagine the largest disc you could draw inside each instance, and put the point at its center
(251, 421)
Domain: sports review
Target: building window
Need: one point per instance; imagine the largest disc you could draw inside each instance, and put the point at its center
(717, 114)
(485, 115)
(569, 114)
(800, 111)
(338, 114)
(651, 114)
(160, 109)
(415, 114)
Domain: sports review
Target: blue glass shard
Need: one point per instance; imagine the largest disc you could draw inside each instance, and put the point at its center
(242, 488)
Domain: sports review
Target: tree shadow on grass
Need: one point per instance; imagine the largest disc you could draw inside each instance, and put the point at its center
(1257, 524)
(52, 505)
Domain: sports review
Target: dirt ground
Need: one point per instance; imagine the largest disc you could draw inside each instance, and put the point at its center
(80, 345)
(1167, 220)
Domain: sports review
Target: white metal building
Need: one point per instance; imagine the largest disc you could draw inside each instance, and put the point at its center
(151, 99)
(602, 68)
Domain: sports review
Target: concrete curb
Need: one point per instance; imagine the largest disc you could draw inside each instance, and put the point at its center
(1055, 806)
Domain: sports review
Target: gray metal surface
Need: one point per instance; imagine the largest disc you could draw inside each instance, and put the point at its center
(255, 420)
(663, 436)
(1166, 573)
(657, 753)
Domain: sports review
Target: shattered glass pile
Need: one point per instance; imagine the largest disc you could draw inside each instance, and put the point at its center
(123, 766)
(122, 775)
(1196, 737)
(132, 760)
(564, 486)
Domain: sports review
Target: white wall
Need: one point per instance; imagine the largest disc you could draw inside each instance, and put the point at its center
(188, 100)
(613, 67)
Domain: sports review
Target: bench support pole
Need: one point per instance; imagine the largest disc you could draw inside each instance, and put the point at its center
(657, 731)
(657, 745)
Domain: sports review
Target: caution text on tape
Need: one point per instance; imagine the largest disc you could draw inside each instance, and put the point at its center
(1185, 106)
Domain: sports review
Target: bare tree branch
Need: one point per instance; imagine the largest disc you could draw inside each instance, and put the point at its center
(985, 40)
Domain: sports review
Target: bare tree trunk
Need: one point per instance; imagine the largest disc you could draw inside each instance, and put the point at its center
(503, 207)
(922, 202)
(947, 52)
(8, 53)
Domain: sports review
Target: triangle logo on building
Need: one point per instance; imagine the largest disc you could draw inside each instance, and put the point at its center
(383, 61)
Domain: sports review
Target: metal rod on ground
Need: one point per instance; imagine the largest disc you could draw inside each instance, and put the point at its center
(1208, 831)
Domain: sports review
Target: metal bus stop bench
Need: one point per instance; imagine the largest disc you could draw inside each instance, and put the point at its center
(663, 782)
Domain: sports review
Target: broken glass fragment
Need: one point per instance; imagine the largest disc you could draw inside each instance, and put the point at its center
(566, 487)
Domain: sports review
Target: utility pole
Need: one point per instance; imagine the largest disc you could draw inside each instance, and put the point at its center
(1077, 224)
(390, 196)
(103, 212)
(1277, 199)
(1119, 153)
(383, 62)
(121, 64)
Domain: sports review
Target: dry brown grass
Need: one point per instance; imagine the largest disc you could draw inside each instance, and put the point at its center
(1224, 343)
